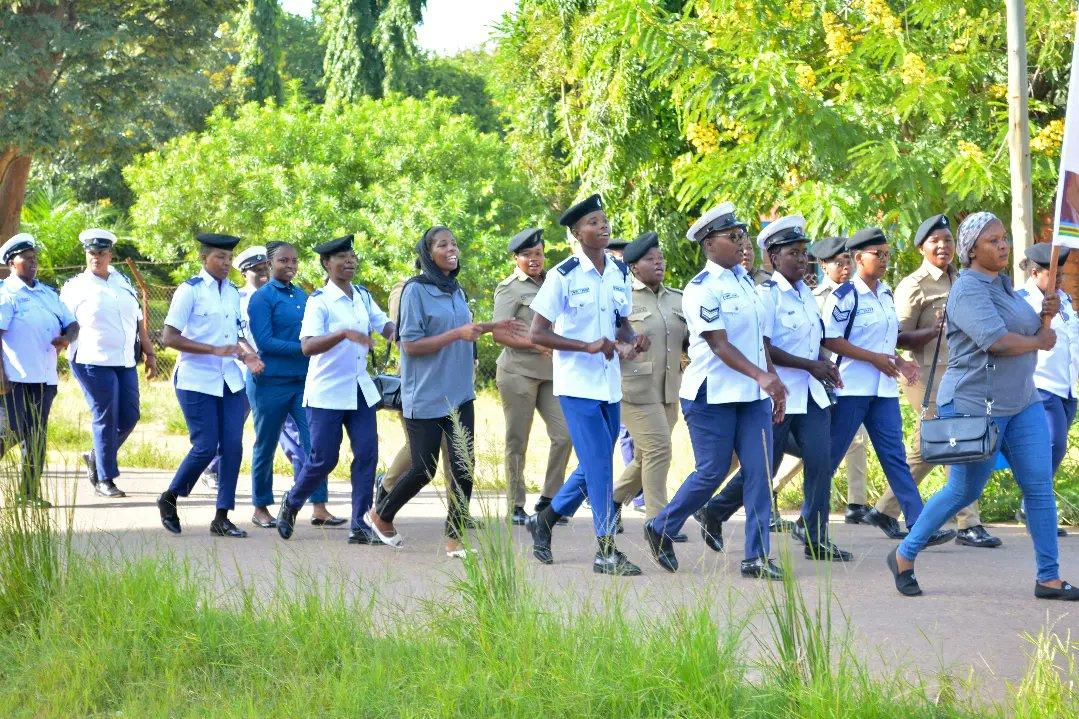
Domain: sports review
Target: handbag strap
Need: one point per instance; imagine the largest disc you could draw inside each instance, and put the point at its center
(989, 367)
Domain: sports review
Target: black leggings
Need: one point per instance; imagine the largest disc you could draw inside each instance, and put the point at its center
(425, 439)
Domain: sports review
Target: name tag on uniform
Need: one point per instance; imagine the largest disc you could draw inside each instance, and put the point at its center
(730, 296)
(865, 311)
(580, 291)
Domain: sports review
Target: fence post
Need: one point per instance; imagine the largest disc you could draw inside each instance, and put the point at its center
(145, 295)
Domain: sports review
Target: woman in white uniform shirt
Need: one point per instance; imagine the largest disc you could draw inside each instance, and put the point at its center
(103, 358)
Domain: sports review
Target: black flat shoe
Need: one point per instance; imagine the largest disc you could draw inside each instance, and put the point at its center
(170, 520)
(680, 538)
(330, 521)
(1061, 532)
(661, 548)
(264, 524)
(855, 514)
(886, 524)
(941, 536)
(225, 528)
(519, 517)
(711, 530)
(363, 536)
(108, 489)
(761, 568)
(90, 459)
(286, 520)
(616, 564)
(1067, 592)
(827, 552)
(905, 582)
(541, 539)
(976, 536)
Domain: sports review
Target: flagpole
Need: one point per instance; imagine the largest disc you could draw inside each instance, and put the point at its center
(1019, 133)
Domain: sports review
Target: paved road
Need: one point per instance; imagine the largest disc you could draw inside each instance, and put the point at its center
(976, 611)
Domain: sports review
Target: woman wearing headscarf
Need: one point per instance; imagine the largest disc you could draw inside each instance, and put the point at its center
(34, 326)
(437, 386)
(103, 358)
(994, 337)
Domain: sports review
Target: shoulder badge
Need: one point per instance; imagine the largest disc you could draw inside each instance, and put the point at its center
(709, 314)
(699, 278)
(567, 265)
(194, 281)
(316, 293)
(844, 289)
(840, 315)
(768, 283)
(1023, 292)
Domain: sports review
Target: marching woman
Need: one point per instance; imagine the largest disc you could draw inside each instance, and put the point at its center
(203, 324)
(861, 326)
(581, 313)
(104, 356)
(650, 381)
(794, 346)
(339, 395)
(1058, 369)
(994, 337)
(34, 326)
(730, 393)
(437, 384)
(524, 378)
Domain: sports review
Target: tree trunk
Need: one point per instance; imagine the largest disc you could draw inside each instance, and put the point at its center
(14, 171)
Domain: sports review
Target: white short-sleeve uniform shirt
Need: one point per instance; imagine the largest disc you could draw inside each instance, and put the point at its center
(875, 328)
(797, 330)
(108, 313)
(208, 311)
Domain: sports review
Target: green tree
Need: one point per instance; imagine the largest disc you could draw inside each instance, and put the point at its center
(258, 70)
(369, 44)
(462, 77)
(67, 67)
(303, 50)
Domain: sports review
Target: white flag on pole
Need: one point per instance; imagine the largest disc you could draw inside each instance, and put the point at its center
(1066, 228)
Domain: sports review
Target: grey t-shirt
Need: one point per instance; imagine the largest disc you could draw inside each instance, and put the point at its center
(981, 310)
(433, 385)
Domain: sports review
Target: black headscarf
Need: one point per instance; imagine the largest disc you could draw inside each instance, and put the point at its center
(430, 274)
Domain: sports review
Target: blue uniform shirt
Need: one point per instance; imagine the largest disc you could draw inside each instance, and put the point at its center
(208, 311)
(274, 314)
(434, 384)
(31, 318)
(875, 328)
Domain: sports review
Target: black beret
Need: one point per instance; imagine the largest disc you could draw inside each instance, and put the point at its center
(1040, 253)
(936, 222)
(866, 237)
(639, 247)
(526, 239)
(828, 248)
(569, 217)
(617, 243)
(334, 246)
(220, 242)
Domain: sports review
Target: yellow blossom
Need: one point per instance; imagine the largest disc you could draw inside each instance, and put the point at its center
(969, 149)
(836, 37)
(879, 14)
(703, 136)
(805, 77)
(913, 69)
(959, 44)
(800, 9)
(1049, 138)
(998, 91)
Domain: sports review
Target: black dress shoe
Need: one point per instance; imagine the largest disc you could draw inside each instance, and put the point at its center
(170, 520)
(1061, 532)
(542, 503)
(286, 520)
(761, 568)
(330, 521)
(363, 536)
(855, 514)
(941, 536)
(827, 552)
(225, 528)
(886, 524)
(905, 582)
(519, 516)
(798, 531)
(108, 489)
(263, 524)
(661, 548)
(711, 530)
(680, 538)
(1066, 592)
(976, 536)
(616, 564)
(90, 459)
(541, 539)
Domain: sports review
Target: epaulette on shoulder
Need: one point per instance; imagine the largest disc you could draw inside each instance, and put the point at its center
(768, 283)
(509, 280)
(193, 281)
(1023, 292)
(699, 278)
(567, 265)
(48, 287)
(843, 290)
(622, 266)
(316, 293)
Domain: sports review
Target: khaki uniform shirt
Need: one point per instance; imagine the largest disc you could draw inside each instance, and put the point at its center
(760, 276)
(920, 298)
(394, 301)
(513, 299)
(656, 375)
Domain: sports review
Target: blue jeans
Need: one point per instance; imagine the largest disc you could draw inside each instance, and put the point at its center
(593, 429)
(717, 431)
(213, 424)
(113, 396)
(277, 404)
(1060, 413)
(1024, 441)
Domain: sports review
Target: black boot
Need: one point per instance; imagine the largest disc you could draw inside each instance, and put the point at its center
(610, 561)
(855, 514)
(539, 526)
(542, 503)
(166, 505)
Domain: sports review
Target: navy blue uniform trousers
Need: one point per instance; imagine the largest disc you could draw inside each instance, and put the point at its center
(28, 405)
(716, 432)
(212, 423)
(113, 396)
(280, 419)
(327, 426)
(884, 424)
(593, 429)
(813, 433)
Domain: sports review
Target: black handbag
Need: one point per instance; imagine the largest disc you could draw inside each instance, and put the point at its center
(388, 385)
(962, 438)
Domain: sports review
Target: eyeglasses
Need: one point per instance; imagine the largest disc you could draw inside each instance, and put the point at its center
(735, 236)
(879, 254)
